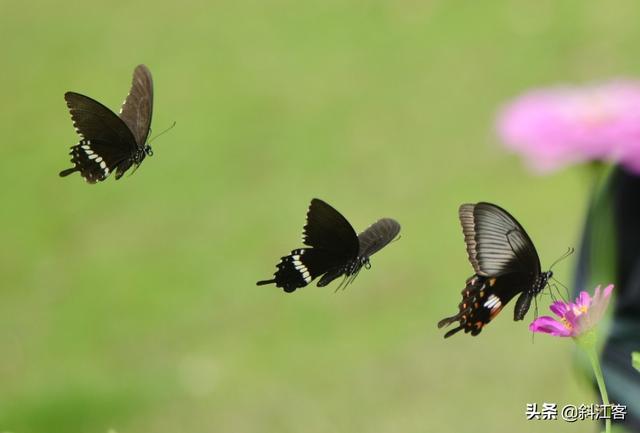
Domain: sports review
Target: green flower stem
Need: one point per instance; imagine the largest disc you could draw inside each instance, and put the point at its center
(587, 342)
(595, 364)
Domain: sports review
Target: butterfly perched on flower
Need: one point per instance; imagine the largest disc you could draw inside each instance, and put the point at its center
(335, 249)
(109, 142)
(505, 263)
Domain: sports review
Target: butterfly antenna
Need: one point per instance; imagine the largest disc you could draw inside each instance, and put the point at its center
(570, 251)
(166, 130)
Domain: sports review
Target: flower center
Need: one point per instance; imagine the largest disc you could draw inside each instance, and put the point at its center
(566, 323)
(579, 310)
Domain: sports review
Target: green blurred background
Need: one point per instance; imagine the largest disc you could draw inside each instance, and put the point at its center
(132, 305)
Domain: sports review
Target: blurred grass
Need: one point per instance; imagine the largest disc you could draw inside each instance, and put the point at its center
(132, 305)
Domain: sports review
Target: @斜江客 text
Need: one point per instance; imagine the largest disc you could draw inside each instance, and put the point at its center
(573, 413)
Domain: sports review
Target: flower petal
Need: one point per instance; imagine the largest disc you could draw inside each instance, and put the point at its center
(598, 308)
(584, 300)
(596, 292)
(556, 126)
(608, 290)
(560, 308)
(549, 325)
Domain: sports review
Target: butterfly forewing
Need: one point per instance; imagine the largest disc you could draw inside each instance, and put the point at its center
(94, 121)
(496, 242)
(377, 236)
(137, 109)
(327, 229)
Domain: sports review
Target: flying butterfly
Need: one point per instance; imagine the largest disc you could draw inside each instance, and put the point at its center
(335, 249)
(505, 263)
(109, 142)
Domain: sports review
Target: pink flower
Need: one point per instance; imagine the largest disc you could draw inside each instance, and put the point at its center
(558, 126)
(575, 318)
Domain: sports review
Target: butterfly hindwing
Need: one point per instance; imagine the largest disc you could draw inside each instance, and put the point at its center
(473, 313)
(482, 299)
(300, 267)
(87, 160)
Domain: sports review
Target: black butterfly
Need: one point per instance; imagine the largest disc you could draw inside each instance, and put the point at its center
(335, 250)
(107, 142)
(506, 263)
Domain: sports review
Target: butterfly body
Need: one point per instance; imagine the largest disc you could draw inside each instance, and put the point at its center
(109, 142)
(506, 264)
(350, 269)
(334, 249)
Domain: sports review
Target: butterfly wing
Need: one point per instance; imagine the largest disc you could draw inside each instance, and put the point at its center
(496, 243)
(328, 230)
(333, 247)
(106, 143)
(137, 108)
(377, 236)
